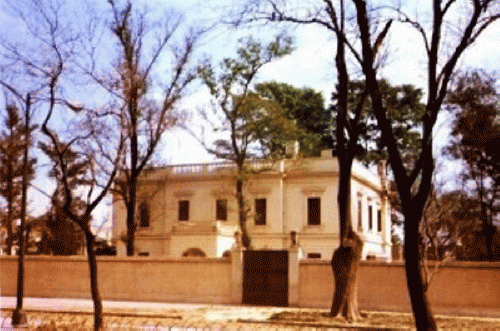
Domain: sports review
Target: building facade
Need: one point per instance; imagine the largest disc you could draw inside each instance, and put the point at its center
(192, 210)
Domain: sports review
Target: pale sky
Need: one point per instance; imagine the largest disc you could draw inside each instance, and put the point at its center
(311, 65)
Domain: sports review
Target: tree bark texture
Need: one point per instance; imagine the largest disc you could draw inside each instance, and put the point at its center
(131, 223)
(346, 258)
(242, 219)
(424, 319)
(345, 263)
(94, 286)
(10, 232)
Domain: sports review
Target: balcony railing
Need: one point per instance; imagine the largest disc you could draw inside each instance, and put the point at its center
(219, 167)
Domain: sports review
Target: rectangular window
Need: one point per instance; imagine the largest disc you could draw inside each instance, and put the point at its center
(360, 215)
(260, 211)
(221, 209)
(314, 255)
(184, 210)
(370, 217)
(379, 220)
(313, 211)
(144, 216)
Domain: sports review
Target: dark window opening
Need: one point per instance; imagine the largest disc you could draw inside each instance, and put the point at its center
(183, 210)
(360, 216)
(314, 255)
(379, 220)
(144, 216)
(314, 211)
(221, 210)
(370, 217)
(260, 211)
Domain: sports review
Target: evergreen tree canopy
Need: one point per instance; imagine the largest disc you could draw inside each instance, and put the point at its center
(405, 110)
(13, 142)
(306, 108)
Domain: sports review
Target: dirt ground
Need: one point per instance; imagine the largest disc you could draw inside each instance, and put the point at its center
(386, 320)
(296, 319)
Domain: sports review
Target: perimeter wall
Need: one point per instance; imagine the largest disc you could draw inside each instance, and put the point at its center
(468, 288)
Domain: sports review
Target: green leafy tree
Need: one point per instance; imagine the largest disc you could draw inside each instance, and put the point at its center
(306, 108)
(253, 125)
(404, 107)
(475, 140)
(334, 18)
(13, 142)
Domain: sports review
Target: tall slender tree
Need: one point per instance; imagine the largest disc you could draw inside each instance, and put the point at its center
(333, 17)
(43, 61)
(141, 44)
(13, 142)
(476, 136)
(252, 124)
(415, 182)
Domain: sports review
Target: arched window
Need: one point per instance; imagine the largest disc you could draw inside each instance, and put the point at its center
(144, 215)
(193, 251)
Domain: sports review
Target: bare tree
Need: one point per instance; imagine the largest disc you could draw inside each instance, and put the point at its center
(90, 178)
(414, 183)
(333, 17)
(141, 46)
(44, 62)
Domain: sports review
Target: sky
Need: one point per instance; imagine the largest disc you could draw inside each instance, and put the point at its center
(311, 64)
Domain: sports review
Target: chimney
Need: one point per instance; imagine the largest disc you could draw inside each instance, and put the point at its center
(382, 172)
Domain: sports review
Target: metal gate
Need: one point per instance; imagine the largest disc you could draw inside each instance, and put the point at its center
(265, 278)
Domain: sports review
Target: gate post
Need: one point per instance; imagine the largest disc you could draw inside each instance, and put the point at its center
(294, 256)
(237, 270)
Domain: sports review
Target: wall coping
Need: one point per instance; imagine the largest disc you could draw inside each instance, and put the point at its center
(132, 259)
(398, 264)
(191, 259)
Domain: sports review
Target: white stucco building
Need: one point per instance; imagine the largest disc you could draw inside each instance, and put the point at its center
(193, 207)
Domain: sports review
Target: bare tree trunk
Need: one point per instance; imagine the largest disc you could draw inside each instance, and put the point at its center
(10, 232)
(416, 282)
(18, 316)
(131, 223)
(242, 219)
(346, 258)
(94, 287)
(345, 263)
